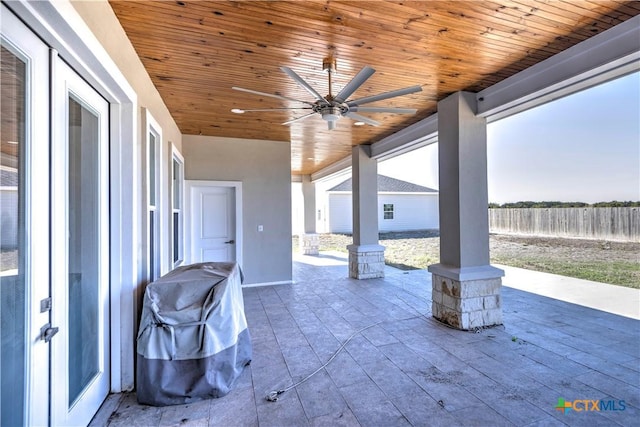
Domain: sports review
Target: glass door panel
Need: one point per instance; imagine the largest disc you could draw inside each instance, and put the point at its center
(13, 290)
(84, 247)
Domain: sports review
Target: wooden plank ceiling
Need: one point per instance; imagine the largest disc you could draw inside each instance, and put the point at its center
(196, 51)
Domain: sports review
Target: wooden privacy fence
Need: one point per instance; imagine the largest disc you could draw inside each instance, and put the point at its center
(589, 223)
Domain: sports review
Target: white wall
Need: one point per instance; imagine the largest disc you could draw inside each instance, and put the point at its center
(264, 168)
(411, 212)
(339, 213)
(297, 209)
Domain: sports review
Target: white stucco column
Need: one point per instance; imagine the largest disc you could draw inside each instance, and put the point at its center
(466, 289)
(309, 239)
(366, 256)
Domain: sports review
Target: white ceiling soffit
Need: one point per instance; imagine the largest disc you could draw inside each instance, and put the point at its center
(606, 56)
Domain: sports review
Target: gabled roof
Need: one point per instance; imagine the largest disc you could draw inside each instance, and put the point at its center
(388, 185)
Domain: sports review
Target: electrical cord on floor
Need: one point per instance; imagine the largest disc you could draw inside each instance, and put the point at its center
(272, 396)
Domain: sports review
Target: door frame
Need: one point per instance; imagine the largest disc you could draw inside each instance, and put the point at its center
(62, 28)
(192, 184)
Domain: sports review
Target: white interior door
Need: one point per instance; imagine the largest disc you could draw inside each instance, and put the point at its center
(213, 223)
(80, 252)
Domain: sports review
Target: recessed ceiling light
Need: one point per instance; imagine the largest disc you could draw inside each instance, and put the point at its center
(358, 124)
(237, 111)
(310, 158)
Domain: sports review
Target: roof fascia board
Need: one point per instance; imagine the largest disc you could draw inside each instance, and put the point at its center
(334, 170)
(606, 56)
(409, 193)
(416, 136)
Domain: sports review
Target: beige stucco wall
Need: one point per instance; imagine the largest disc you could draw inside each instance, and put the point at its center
(264, 168)
(105, 26)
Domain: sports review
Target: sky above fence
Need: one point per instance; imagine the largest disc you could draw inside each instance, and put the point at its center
(584, 147)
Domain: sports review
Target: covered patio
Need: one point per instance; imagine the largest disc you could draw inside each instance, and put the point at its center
(402, 367)
(168, 82)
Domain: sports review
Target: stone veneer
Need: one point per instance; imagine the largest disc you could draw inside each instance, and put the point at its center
(366, 261)
(309, 244)
(467, 304)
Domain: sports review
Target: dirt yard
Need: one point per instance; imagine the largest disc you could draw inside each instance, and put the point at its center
(602, 261)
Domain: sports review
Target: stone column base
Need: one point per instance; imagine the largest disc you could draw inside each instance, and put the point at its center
(309, 244)
(467, 298)
(366, 261)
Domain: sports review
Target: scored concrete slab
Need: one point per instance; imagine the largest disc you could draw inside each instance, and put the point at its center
(409, 369)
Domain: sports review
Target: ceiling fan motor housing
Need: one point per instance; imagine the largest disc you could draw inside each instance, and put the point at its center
(330, 113)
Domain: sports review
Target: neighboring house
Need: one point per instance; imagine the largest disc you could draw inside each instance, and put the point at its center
(402, 206)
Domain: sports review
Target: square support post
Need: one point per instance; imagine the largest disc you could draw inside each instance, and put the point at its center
(309, 241)
(366, 256)
(466, 289)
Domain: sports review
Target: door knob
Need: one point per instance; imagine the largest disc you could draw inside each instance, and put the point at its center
(230, 242)
(47, 332)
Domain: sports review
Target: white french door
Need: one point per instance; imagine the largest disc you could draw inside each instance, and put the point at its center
(24, 234)
(54, 253)
(54, 257)
(80, 251)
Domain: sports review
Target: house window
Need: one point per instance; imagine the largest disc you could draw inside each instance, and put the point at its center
(154, 143)
(177, 184)
(387, 210)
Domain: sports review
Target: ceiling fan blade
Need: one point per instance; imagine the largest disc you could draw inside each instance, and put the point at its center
(364, 119)
(303, 84)
(274, 109)
(383, 110)
(306, 116)
(255, 92)
(354, 84)
(386, 95)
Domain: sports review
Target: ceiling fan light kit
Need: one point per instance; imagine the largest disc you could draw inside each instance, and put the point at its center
(332, 108)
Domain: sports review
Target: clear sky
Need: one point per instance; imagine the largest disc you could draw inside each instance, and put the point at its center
(584, 147)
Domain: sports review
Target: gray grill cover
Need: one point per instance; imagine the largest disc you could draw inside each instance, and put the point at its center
(193, 341)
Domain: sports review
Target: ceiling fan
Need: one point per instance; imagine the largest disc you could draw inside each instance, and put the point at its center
(331, 107)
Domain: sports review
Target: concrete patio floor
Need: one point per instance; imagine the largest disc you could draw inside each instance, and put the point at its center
(406, 368)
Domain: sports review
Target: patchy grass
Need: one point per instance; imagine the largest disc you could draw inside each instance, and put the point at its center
(615, 273)
(617, 263)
